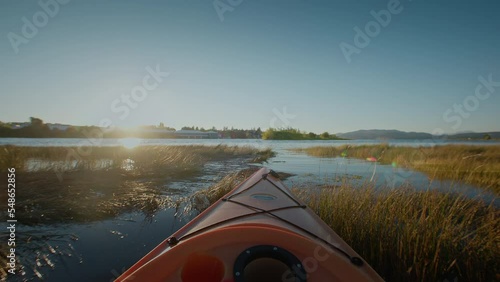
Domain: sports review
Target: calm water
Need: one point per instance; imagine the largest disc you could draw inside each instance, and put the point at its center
(250, 142)
(100, 251)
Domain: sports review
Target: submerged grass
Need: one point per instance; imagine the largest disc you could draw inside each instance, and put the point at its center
(405, 234)
(202, 199)
(476, 165)
(59, 184)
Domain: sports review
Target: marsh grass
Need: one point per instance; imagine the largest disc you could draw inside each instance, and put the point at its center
(405, 234)
(411, 235)
(475, 165)
(102, 182)
(143, 158)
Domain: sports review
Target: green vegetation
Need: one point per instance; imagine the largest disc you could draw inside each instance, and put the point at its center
(403, 233)
(230, 133)
(295, 134)
(36, 128)
(93, 183)
(476, 165)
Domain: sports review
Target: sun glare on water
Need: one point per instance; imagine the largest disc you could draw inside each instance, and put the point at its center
(130, 143)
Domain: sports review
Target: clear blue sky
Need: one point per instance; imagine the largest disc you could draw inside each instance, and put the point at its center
(263, 56)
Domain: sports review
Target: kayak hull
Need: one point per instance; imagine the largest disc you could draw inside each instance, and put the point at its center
(257, 228)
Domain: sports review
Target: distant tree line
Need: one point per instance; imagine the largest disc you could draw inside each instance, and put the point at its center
(295, 134)
(232, 132)
(38, 129)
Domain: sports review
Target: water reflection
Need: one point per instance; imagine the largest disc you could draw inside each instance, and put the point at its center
(316, 172)
(128, 164)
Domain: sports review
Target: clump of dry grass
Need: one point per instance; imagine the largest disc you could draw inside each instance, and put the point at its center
(141, 158)
(101, 182)
(476, 165)
(411, 235)
(202, 199)
(11, 156)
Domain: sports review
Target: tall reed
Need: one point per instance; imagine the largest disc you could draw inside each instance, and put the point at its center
(412, 235)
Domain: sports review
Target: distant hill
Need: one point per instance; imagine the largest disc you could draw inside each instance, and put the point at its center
(384, 134)
(397, 134)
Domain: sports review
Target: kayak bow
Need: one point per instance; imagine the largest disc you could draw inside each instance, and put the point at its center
(257, 232)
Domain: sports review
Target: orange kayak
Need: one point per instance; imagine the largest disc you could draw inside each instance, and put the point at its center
(257, 232)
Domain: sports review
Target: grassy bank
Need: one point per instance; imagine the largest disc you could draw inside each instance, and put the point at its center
(409, 235)
(404, 234)
(476, 165)
(57, 184)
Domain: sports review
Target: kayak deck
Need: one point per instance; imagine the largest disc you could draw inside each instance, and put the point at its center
(257, 232)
